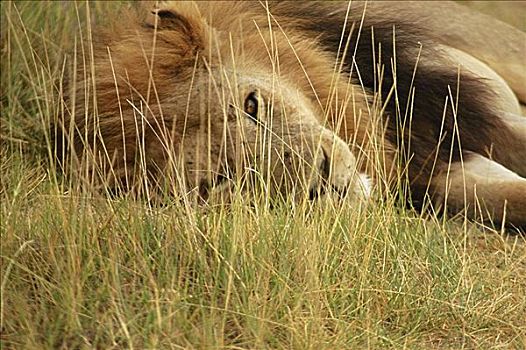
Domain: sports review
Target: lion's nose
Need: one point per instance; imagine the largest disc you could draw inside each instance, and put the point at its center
(325, 165)
(326, 174)
(338, 164)
(338, 170)
(323, 184)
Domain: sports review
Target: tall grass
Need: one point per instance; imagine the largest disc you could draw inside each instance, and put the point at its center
(84, 270)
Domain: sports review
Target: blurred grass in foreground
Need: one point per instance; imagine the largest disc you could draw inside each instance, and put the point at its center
(86, 271)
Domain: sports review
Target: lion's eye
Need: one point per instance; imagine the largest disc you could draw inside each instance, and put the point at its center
(251, 106)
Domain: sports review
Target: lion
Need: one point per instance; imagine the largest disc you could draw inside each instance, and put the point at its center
(311, 98)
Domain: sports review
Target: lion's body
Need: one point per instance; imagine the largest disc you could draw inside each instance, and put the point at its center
(170, 90)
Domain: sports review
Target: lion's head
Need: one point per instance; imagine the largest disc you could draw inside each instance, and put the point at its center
(183, 93)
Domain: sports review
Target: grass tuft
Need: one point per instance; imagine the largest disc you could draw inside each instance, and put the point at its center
(86, 270)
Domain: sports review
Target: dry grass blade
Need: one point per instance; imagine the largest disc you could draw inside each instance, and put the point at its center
(85, 268)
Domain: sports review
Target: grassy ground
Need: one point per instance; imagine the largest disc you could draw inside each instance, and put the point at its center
(85, 271)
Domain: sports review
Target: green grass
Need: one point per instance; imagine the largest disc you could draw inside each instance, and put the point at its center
(81, 270)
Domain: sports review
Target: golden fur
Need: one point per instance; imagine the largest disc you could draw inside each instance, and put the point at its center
(171, 89)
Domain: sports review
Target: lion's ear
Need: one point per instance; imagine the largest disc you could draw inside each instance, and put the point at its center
(180, 22)
(170, 19)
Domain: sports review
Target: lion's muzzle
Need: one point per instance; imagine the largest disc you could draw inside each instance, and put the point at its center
(338, 170)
